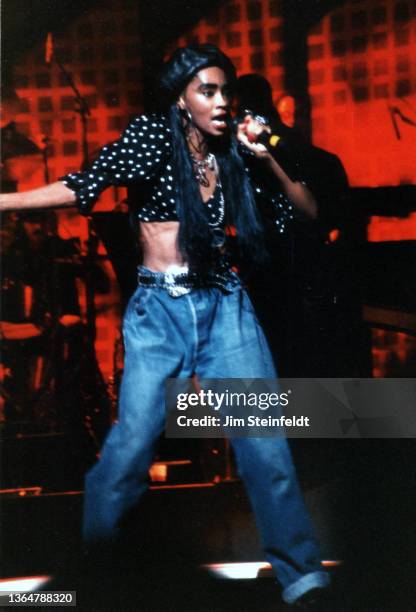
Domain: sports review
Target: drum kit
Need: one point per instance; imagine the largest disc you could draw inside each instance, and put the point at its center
(46, 365)
(42, 335)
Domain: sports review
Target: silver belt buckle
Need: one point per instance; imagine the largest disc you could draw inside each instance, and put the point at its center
(171, 275)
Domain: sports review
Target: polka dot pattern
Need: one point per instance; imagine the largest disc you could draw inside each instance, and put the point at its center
(143, 155)
(274, 201)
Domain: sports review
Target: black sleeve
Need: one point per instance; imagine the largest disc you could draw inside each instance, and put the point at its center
(274, 206)
(135, 157)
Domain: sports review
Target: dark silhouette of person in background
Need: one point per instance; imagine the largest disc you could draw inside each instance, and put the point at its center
(321, 308)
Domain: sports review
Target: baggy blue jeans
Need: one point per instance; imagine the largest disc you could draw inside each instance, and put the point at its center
(214, 334)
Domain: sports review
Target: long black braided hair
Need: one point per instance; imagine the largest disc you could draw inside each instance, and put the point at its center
(241, 211)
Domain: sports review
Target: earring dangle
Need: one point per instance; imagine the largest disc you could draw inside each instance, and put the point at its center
(186, 116)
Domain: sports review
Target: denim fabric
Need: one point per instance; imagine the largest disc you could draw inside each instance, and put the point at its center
(214, 334)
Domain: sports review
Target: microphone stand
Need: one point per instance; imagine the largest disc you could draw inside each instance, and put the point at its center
(92, 387)
(83, 110)
(396, 112)
(45, 142)
(393, 112)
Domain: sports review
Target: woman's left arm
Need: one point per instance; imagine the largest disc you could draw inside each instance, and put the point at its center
(296, 191)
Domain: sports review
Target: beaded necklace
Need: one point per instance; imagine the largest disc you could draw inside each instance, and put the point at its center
(216, 224)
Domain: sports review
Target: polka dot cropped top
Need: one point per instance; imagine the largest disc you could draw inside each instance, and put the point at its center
(143, 155)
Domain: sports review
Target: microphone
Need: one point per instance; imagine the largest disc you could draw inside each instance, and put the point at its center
(285, 150)
(270, 141)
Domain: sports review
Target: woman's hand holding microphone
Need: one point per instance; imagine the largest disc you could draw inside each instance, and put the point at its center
(252, 132)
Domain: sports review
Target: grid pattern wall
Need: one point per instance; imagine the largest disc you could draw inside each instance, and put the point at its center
(362, 73)
(362, 63)
(101, 52)
(250, 32)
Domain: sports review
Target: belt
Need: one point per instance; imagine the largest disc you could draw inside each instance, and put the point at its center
(179, 283)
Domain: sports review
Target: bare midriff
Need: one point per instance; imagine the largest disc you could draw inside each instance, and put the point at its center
(159, 242)
(159, 239)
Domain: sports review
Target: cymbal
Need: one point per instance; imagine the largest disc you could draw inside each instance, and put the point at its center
(15, 144)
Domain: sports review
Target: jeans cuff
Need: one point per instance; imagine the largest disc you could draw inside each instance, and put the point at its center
(303, 585)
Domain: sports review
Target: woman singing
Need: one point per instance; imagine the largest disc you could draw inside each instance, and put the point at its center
(190, 314)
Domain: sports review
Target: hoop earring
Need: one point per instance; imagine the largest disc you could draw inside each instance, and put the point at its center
(186, 115)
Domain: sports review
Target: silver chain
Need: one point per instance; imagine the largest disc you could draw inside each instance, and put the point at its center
(201, 166)
(218, 232)
(221, 208)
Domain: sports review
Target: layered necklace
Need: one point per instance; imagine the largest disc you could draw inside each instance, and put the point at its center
(216, 215)
(216, 224)
(201, 166)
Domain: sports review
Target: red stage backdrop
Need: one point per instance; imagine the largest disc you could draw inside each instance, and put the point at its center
(362, 85)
